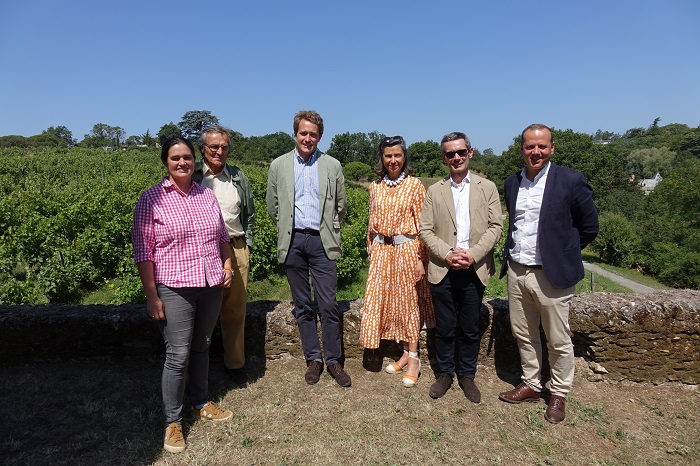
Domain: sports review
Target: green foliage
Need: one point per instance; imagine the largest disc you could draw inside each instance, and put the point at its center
(260, 150)
(426, 159)
(355, 147)
(103, 135)
(194, 122)
(358, 171)
(13, 141)
(62, 133)
(645, 163)
(617, 242)
(168, 131)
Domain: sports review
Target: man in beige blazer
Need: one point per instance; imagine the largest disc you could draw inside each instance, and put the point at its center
(306, 199)
(460, 225)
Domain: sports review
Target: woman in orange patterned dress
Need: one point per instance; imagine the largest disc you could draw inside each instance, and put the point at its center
(397, 298)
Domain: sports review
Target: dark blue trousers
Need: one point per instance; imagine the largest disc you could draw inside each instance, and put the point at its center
(306, 257)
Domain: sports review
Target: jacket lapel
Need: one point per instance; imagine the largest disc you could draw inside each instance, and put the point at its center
(446, 193)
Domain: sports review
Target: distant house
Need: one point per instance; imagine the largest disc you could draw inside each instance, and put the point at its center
(648, 184)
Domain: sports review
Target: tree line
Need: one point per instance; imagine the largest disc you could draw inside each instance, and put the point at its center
(64, 231)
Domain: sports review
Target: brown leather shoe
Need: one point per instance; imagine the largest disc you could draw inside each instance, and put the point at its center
(471, 391)
(441, 385)
(313, 372)
(555, 409)
(341, 377)
(521, 393)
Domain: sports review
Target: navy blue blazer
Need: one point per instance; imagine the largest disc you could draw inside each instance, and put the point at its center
(568, 222)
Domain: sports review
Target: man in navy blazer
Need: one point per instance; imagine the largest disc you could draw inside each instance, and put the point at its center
(552, 217)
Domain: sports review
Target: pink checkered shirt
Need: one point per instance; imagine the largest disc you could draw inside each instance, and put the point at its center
(181, 234)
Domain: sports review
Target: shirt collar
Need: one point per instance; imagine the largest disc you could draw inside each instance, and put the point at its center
(467, 179)
(208, 170)
(311, 160)
(539, 176)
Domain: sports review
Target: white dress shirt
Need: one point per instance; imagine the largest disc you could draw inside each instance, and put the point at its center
(228, 198)
(526, 248)
(460, 195)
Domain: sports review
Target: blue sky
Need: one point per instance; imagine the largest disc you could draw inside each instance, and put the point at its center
(418, 69)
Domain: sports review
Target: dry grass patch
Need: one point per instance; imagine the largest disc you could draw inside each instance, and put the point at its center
(108, 412)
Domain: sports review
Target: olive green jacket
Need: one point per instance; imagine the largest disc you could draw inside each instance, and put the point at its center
(333, 202)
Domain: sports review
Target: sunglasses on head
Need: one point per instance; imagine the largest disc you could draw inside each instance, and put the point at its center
(390, 141)
(461, 153)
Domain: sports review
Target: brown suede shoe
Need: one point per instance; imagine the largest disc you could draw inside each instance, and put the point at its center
(471, 391)
(521, 393)
(441, 385)
(313, 372)
(555, 409)
(341, 377)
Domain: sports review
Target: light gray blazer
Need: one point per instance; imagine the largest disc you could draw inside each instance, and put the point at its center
(333, 202)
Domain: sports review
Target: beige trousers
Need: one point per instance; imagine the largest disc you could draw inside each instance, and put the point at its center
(533, 300)
(233, 307)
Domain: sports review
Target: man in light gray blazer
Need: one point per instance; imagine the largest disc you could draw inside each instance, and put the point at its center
(306, 199)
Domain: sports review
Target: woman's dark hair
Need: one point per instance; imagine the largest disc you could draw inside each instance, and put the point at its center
(170, 143)
(379, 168)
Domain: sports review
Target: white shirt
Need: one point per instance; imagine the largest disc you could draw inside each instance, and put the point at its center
(526, 248)
(227, 196)
(460, 195)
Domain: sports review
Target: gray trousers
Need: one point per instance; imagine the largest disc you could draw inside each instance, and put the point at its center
(307, 257)
(190, 317)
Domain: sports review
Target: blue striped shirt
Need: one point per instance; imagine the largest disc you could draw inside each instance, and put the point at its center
(307, 202)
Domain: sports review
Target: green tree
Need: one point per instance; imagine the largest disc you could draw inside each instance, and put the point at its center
(645, 163)
(167, 131)
(13, 141)
(103, 135)
(426, 159)
(358, 171)
(45, 140)
(61, 132)
(194, 122)
(147, 139)
(355, 147)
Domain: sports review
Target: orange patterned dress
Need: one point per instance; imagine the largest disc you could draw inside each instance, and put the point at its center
(395, 306)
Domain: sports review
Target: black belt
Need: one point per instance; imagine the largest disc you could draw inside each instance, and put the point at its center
(532, 267)
(307, 231)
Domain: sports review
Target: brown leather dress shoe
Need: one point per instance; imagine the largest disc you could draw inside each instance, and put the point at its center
(521, 393)
(556, 411)
(313, 372)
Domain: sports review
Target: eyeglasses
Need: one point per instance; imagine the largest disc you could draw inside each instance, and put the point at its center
(216, 147)
(390, 141)
(461, 153)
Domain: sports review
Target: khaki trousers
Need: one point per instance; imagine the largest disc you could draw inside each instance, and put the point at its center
(533, 300)
(233, 307)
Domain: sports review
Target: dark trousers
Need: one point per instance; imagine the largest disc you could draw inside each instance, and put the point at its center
(457, 302)
(306, 257)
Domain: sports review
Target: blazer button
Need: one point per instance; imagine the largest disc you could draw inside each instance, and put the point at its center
(455, 233)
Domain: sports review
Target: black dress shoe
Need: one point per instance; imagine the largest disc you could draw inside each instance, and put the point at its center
(471, 391)
(237, 376)
(521, 393)
(313, 372)
(341, 377)
(441, 385)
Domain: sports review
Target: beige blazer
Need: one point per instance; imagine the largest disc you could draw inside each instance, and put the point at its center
(333, 202)
(438, 227)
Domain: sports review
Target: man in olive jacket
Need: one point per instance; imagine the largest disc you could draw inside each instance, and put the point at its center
(306, 199)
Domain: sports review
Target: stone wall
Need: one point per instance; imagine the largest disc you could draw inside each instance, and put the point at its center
(654, 337)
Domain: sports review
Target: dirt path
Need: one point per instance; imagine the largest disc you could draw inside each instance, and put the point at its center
(626, 282)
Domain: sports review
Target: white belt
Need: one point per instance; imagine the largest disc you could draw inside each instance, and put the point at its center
(396, 239)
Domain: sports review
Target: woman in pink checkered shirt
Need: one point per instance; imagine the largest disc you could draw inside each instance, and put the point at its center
(184, 261)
